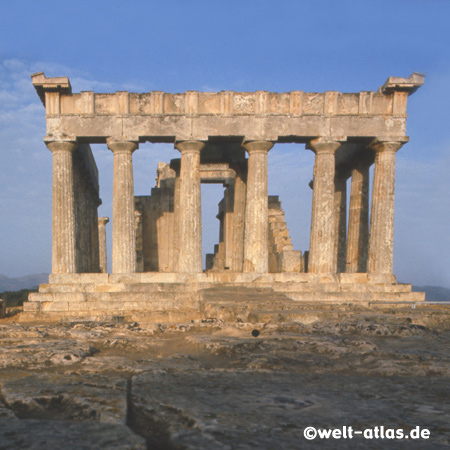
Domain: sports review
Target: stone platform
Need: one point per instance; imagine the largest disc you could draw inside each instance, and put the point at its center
(175, 298)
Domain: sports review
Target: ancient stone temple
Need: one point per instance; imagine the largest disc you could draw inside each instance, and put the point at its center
(223, 137)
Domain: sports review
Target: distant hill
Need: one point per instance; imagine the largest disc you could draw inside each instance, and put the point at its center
(26, 282)
(434, 293)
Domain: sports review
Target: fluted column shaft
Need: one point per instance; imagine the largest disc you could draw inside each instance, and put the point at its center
(256, 237)
(94, 254)
(83, 213)
(175, 264)
(189, 208)
(381, 235)
(340, 234)
(358, 218)
(124, 233)
(64, 257)
(240, 194)
(229, 227)
(102, 221)
(321, 249)
(90, 243)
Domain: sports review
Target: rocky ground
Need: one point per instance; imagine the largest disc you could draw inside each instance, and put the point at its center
(217, 386)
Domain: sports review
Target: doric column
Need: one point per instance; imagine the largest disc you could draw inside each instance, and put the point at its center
(83, 208)
(321, 249)
(381, 235)
(102, 221)
(78, 211)
(174, 264)
(64, 256)
(256, 237)
(240, 194)
(94, 256)
(358, 217)
(124, 233)
(340, 208)
(189, 208)
(229, 227)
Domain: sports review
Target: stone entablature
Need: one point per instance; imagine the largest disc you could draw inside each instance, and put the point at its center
(160, 117)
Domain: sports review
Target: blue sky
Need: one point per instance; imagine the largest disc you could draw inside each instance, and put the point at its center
(247, 45)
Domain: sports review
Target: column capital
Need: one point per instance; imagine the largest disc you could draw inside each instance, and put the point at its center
(124, 144)
(61, 145)
(381, 144)
(325, 144)
(257, 146)
(189, 146)
(103, 220)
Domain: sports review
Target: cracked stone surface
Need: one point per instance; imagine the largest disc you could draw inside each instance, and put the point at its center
(213, 385)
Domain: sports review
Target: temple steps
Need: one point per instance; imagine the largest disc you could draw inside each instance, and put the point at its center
(116, 305)
(357, 296)
(156, 297)
(113, 287)
(80, 290)
(155, 302)
(111, 297)
(265, 305)
(260, 304)
(219, 277)
(341, 288)
(153, 305)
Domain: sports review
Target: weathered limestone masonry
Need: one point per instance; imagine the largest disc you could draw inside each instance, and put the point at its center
(223, 137)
